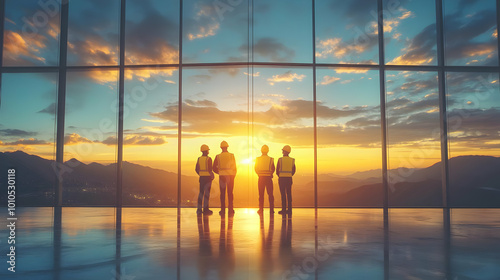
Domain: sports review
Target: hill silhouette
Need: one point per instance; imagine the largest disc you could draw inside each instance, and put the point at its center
(474, 182)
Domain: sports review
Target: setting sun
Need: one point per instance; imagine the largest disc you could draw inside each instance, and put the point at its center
(246, 161)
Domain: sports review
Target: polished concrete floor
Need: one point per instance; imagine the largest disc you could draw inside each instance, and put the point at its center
(157, 243)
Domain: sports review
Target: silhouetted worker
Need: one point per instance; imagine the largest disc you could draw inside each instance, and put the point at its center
(285, 170)
(264, 167)
(225, 166)
(204, 169)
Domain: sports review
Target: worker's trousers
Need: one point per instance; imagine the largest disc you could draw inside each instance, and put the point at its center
(205, 186)
(266, 183)
(226, 183)
(286, 193)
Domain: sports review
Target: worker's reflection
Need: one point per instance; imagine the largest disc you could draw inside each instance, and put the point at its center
(285, 250)
(267, 265)
(226, 248)
(205, 255)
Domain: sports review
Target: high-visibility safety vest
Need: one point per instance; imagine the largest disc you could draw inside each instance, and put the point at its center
(226, 164)
(264, 165)
(203, 165)
(286, 166)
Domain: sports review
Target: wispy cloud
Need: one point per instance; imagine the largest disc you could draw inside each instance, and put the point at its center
(286, 77)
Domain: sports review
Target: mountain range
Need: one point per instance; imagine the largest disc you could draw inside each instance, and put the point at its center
(474, 182)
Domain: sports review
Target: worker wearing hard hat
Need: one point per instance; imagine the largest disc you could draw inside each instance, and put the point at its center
(225, 166)
(204, 170)
(264, 167)
(285, 170)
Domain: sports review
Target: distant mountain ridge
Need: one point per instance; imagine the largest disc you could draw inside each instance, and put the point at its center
(474, 182)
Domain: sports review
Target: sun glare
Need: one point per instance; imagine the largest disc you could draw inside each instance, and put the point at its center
(246, 161)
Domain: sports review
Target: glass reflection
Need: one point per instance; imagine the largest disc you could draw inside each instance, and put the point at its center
(348, 244)
(416, 244)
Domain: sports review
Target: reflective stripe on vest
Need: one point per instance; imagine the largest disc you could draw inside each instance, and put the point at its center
(226, 164)
(203, 165)
(264, 165)
(286, 166)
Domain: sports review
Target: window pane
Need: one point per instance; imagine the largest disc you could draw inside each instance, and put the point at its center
(31, 33)
(27, 135)
(282, 31)
(152, 32)
(349, 137)
(215, 31)
(283, 114)
(346, 31)
(470, 32)
(473, 101)
(90, 138)
(413, 138)
(150, 140)
(410, 32)
(93, 34)
(214, 108)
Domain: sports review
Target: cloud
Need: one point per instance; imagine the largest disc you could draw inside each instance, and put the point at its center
(30, 141)
(75, 139)
(19, 49)
(268, 47)
(413, 86)
(224, 70)
(204, 23)
(27, 44)
(160, 46)
(410, 122)
(343, 70)
(136, 140)
(143, 74)
(200, 103)
(93, 50)
(462, 36)
(257, 74)
(286, 77)
(328, 80)
(336, 47)
(51, 109)
(421, 49)
(16, 133)
(204, 31)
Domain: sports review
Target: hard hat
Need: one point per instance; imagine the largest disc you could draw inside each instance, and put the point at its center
(287, 148)
(264, 149)
(204, 148)
(224, 144)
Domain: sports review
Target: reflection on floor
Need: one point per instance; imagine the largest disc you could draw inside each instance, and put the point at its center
(157, 243)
